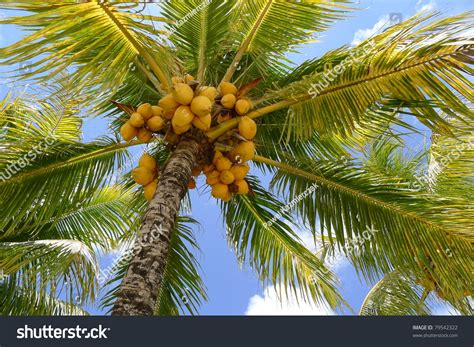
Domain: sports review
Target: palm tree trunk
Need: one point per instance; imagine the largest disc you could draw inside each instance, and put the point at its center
(139, 290)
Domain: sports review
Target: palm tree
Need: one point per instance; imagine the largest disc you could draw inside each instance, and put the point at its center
(309, 116)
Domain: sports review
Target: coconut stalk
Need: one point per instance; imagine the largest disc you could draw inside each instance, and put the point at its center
(140, 287)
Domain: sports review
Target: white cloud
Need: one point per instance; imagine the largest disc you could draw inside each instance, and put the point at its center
(270, 305)
(364, 34)
(421, 7)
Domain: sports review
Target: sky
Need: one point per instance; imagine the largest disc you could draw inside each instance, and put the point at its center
(234, 289)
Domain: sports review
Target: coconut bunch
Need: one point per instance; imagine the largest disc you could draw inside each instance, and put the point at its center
(145, 121)
(188, 106)
(146, 175)
(232, 105)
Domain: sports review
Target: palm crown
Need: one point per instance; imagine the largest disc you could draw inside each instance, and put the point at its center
(307, 121)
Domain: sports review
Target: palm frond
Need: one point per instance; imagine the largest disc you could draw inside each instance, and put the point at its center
(274, 250)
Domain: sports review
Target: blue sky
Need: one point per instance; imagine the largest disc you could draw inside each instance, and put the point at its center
(233, 290)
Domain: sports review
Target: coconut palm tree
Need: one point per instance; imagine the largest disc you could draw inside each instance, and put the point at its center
(312, 120)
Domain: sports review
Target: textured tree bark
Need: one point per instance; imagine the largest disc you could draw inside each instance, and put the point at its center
(139, 290)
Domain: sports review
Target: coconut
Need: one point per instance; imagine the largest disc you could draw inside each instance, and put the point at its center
(208, 92)
(188, 78)
(223, 164)
(176, 80)
(148, 162)
(228, 101)
(227, 88)
(155, 123)
(142, 175)
(168, 103)
(157, 111)
(226, 177)
(220, 190)
(244, 151)
(240, 171)
(201, 106)
(242, 107)
(227, 197)
(150, 189)
(181, 130)
(145, 110)
(247, 127)
(213, 177)
(208, 169)
(168, 115)
(136, 119)
(217, 155)
(128, 131)
(203, 123)
(145, 135)
(182, 93)
(196, 171)
(183, 116)
(242, 187)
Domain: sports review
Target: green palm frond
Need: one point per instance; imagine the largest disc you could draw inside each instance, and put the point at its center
(97, 41)
(45, 265)
(18, 301)
(266, 30)
(395, 295)
(274, 250)
(407, 235)
(182, 288)
(405, 68)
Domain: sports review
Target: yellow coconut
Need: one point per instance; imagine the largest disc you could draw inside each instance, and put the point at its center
(247, 127)
(242, 107)
(201, 106)
(142, 175)
(168, 103)
(181, 130)
(208, 169)
(217, 155)
(227, 197)
(150, 189)
(145, 135)
(220, 190)
(136, 119)
(157, 111)
(226, 177)
(228, 101)
(145, 110)
(223, 164)
(227, 88)
(203, 123)
(192, 183)
(243, 152)
(182, 93)
(155, 123)
(222, 118)
(213, 177)
(208, 92)
(242, 187)
(183, 116)
(128, 131)
(188, 78)
(240, 171)
(148, 162)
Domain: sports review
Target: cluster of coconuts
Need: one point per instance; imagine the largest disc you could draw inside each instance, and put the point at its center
(190, 105)
(146, 174)
(143, 123)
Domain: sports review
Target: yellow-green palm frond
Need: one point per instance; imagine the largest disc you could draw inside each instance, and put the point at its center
(413, 67)
(275, 251)
(97, 42)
